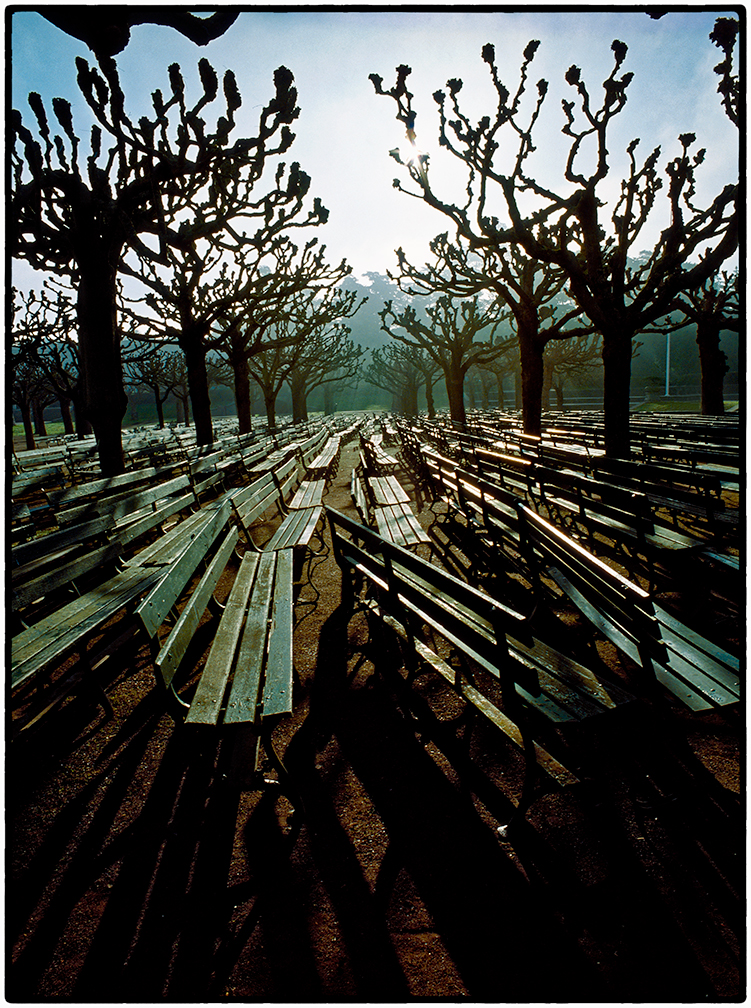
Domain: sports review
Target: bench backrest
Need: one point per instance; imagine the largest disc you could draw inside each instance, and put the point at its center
(416, 592)
(619, 608)
(212, 541)
(252, 501)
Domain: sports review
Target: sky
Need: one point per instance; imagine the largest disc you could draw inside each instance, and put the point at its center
(345, 131)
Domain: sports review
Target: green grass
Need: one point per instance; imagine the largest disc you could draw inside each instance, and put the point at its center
(661, 406)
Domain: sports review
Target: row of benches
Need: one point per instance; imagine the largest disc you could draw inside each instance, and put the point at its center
(161, 570)
(494, 657)
(512, 536)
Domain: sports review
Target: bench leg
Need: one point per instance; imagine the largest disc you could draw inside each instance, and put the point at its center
(531, 776)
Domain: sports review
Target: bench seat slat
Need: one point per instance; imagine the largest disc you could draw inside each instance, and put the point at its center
(398, 524)
(207, 700)
(277, 692)
(154, 608)
(296, 529)
(167, 547)
(243, 698)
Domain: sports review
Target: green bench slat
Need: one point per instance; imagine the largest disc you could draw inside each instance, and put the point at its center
(243, 698)
(209, 694)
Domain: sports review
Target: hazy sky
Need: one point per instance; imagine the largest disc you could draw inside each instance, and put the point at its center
(345, 131)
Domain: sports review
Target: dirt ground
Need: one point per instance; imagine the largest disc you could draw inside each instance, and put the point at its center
(138, 872)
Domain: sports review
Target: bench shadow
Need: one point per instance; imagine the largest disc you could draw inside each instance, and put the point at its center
(494, 920)
(149, 870)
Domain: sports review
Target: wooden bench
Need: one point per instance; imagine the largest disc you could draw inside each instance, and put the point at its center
(699, 674)
(515, 681)
(268, 492)
(677, 501)
(375, 459)
(79, 629)
(324, 466)
(396, 522)
(246, 683)
(99, 497)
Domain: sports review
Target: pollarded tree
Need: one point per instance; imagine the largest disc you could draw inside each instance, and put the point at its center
(587, 237)
(566, 359)
(449, 337)
(532, 291)
(505, 364)
(220, 274)
(106, 29)
(270, 368)
(713, 307)
(42, 326)
(298, 292)
(327, 355)
(396, 368)
(75, 213)
(154, 371)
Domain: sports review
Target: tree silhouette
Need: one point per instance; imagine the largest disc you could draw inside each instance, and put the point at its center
(532, 291)
(156, 372)
(106, 30)
(572, 229)
(712, 307)
(76, 215)
(572, 358)
(299, 288)
(395, 368)
(449, 339)
(327, 356)
(724, 35)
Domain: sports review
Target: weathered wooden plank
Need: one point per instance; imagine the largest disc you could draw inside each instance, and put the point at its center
(277, 692)
(296, 529)
(153, 610)
(127, 533)
(26, 552)
(174, 648)
(29, 592)
(207, 701)
(388, 490)
(252, 654)
(308, 494)
(53, 637)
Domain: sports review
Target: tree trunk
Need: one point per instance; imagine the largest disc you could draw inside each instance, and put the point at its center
(28, 427)
(159, 403)
(501, 399)
(65, 414)
(103, 392)
(329, 401)
(547, 382)
(242, 393)
(410, 400)
(531, 350)
(299, 398)
(429, 399)
(269, 399)
(83, 427)
(713, 368)
(455, 392)
(37, 409)
(192, 343)
(616, 358)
